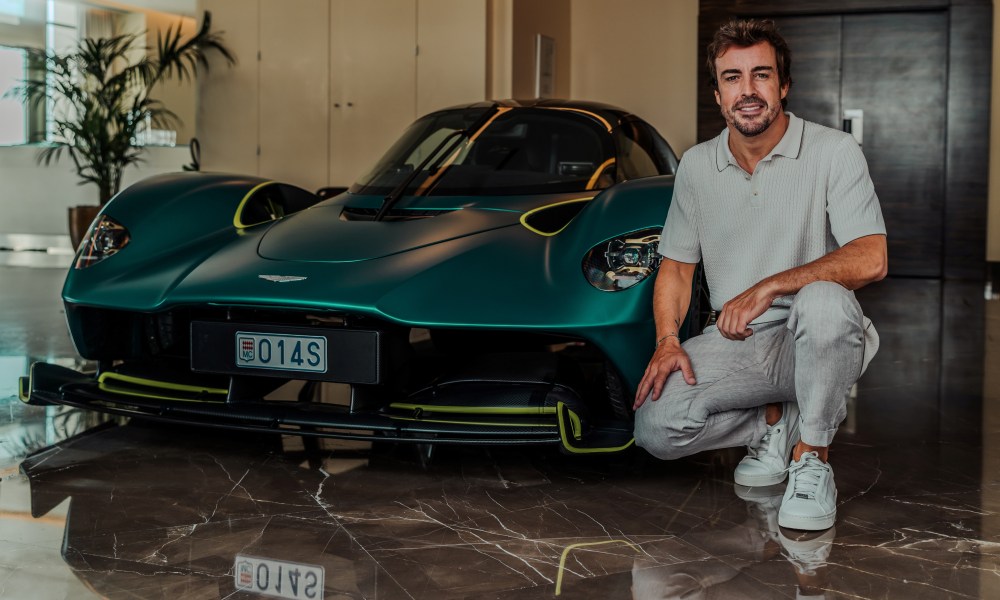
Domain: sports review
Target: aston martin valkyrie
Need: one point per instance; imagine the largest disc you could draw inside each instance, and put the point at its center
(488, 281)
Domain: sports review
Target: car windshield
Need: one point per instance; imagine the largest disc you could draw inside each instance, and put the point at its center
(518, 151)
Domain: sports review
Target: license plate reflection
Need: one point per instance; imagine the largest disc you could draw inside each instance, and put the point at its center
(278, 578)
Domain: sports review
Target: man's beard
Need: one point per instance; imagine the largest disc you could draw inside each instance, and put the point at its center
(754, 127)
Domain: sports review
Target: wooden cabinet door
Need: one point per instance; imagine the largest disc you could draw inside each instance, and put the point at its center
(294, 93)
(451, 63)
(227, 96)
(372, 81)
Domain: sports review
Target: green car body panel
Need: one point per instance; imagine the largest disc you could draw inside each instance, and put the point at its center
(484, 272)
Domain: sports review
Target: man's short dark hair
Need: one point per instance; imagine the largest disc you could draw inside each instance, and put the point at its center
(744, 33)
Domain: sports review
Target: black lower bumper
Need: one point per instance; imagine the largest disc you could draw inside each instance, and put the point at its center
(50, 384)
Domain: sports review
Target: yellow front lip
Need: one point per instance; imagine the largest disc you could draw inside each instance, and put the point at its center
(106, 383)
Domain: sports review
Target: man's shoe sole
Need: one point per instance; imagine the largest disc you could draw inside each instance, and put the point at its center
(807, 523)
(759, 480)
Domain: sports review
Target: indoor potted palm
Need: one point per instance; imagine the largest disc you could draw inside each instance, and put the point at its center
(100, 94)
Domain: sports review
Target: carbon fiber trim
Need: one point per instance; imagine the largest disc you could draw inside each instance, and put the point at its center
(52, 384)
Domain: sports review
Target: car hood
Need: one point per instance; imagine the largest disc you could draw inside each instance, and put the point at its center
(342, 230)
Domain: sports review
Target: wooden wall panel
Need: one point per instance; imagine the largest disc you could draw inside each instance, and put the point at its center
(820, 7)
(816, 67)
(895, 68)
(967, 179)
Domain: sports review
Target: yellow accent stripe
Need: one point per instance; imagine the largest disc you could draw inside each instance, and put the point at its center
(574, 421)
(477, 410)
(590, 114)
(24, 388)
(163, 385)
(597, 173)
(569, 447)
(483, 423)
(104, 387)
(566, 551)
(524, 217)
(238, 216)
(454, 155)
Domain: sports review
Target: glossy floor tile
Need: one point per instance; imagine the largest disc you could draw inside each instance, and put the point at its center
(94, 508)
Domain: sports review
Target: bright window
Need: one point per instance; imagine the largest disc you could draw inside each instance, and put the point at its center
(12, 114)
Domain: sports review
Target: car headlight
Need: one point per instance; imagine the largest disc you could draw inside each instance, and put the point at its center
(623, 261)
(104, 238)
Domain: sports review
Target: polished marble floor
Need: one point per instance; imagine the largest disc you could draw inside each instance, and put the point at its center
(94, 509)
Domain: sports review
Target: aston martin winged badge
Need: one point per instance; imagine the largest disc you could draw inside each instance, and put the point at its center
(282, 278)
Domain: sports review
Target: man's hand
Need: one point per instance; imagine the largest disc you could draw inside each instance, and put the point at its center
(736, 315)
(669, 357)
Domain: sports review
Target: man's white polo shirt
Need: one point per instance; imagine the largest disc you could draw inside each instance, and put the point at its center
(809, 196)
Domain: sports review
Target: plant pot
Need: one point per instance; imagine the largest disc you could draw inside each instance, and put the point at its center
(80, 218)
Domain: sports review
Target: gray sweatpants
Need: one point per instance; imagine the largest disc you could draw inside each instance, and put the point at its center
(813, 358)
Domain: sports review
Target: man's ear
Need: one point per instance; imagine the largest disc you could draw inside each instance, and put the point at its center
(784, 91)
(718, 98)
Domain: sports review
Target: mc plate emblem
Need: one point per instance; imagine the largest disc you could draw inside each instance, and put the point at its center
(247, 346)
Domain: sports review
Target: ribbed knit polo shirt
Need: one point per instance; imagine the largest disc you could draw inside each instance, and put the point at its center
(809, 196)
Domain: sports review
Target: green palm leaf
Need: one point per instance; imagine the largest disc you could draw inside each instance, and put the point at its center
(103, 99)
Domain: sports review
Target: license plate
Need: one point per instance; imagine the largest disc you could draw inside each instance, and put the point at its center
(278, 578)
(281, 352)
(286, 351)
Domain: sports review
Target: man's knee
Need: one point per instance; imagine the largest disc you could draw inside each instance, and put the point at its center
(659, 433)
(826, 307)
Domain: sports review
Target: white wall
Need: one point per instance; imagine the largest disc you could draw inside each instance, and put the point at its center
(34, 198)
(641, 55)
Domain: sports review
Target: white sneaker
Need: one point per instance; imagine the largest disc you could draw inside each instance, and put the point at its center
(810, 500)
(766, 462)
(807, 552)
(762, 506)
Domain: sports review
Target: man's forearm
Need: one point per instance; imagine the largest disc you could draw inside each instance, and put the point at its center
(853, 266)
(671, 297)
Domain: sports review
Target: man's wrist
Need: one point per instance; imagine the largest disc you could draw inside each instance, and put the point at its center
(771, 289)
(660, 340)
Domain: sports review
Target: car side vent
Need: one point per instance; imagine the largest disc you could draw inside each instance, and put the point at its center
(550, 220)
(354, 213)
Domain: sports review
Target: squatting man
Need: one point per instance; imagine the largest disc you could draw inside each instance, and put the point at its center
(783, 214)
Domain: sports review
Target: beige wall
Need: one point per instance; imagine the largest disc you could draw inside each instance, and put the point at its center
(446, 77)
(499, 41)
(175, 95)
(993, 222)
(640, 55)
(550, 18)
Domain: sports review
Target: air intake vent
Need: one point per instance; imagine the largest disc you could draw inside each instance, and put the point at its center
(550, 220)
(351, 213)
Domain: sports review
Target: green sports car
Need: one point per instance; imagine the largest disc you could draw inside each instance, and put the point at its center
(485, 282)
